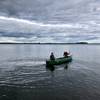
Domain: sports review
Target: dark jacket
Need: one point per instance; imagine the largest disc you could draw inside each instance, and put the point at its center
(52, 57)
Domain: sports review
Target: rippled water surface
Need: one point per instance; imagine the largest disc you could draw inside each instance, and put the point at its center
(24, 76)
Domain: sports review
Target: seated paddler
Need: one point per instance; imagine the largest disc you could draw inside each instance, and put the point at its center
(52, 57)
(65, 54)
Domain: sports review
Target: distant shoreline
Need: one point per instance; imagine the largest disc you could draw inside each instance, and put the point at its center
(84, 43)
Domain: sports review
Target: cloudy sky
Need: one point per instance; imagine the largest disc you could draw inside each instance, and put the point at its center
(50, 21)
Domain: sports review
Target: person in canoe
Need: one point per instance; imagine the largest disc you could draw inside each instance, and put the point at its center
(65, 54)
(52, 57)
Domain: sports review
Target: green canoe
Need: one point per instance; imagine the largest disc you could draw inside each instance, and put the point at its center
(59, 61)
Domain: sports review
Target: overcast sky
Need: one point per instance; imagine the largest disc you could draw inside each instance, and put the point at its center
(54, 20)
(47, 9)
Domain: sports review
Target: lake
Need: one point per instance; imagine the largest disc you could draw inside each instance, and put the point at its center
(24, 76)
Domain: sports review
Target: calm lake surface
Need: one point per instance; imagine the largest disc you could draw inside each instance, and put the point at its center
(24, 76)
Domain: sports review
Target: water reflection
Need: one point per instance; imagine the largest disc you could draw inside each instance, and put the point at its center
(51, 68)
(66, 66)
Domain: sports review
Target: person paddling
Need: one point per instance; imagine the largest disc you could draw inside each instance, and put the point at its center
(52, 57)
(65, 54)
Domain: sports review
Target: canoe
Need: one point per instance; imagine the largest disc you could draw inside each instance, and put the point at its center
(59, 61)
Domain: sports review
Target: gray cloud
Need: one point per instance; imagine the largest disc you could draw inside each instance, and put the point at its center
(47, 9)
(49, 20)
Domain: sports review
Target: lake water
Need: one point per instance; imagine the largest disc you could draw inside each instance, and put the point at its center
(24, 76)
